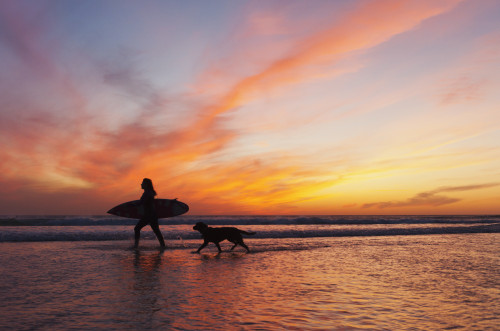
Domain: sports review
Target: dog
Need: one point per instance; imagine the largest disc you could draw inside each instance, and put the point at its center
(216, 235)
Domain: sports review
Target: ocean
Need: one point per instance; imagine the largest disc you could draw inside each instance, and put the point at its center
(303, 273)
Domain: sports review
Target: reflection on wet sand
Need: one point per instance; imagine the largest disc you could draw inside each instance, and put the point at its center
(398, 282)
(140, 288)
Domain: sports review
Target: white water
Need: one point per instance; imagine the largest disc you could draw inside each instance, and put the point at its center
(71, 228)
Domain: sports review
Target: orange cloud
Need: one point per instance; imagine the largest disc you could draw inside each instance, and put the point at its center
(113, 158)
(368, 25)
(250, 186)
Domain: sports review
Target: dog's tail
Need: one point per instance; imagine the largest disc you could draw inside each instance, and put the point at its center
(245, 232)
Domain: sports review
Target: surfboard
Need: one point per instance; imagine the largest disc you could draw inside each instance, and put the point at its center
(164, 208)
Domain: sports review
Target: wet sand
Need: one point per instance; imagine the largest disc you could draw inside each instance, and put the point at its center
(384, 283)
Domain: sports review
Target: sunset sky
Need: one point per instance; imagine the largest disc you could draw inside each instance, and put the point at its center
(251, 107)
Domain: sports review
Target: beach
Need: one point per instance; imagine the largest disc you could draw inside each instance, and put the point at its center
(354, 144)
(403, 282)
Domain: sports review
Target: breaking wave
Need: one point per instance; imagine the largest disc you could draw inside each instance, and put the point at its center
(102, 228)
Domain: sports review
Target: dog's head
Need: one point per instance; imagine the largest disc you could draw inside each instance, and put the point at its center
(200, 226)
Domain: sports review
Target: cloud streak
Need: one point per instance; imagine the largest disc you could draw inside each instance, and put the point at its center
(370, 24)
(430, 198)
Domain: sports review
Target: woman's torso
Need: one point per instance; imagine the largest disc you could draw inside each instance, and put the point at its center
(148, 202)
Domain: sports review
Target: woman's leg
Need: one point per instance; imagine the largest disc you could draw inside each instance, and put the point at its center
(156, 229)
(137, 230)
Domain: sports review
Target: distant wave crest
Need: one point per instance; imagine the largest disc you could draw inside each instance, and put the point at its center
(248, 220)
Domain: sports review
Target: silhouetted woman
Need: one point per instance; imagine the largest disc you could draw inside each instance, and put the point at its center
(150, 217)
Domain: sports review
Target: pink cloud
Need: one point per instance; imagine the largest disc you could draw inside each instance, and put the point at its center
(462, 89)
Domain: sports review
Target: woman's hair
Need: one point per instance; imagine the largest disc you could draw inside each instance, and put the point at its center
(148, 185)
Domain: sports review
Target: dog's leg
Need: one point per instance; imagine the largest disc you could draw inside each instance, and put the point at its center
(218, 247)
(236, 244)
(202, 246)
(243, 244)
